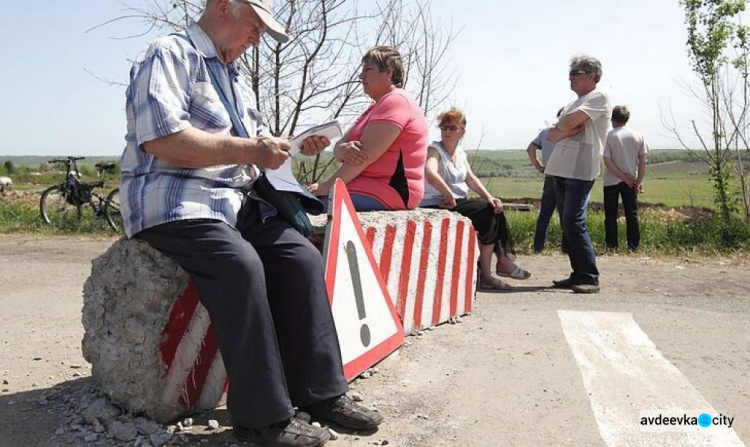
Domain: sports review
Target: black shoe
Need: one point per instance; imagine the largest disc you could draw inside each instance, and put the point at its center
(566, 283)
(302, 416)
(289, 433)
(345, 412)
(585, 288)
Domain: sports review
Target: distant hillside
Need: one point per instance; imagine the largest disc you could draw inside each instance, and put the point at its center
(515, 162)
(36, 160)
(485, 163)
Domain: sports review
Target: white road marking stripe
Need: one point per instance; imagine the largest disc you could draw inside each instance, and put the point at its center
(625, 374)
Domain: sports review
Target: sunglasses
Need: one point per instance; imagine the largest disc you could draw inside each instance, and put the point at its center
(452, 128)
(578, 72)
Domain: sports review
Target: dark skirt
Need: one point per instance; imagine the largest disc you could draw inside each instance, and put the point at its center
(492, 229)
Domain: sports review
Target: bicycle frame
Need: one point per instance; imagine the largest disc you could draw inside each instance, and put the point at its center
(78, 194)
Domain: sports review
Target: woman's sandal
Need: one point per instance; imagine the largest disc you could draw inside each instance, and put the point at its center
(517, 273)
(494, 284)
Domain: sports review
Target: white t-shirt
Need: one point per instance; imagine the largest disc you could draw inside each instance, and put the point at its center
(623, 147)
(580, 156)
(453, 173)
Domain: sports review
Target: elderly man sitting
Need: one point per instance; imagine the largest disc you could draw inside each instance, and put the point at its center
(194, 145)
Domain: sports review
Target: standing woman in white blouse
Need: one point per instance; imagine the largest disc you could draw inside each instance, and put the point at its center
(448, 180)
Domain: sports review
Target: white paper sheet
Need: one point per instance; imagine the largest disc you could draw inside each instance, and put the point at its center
(331, 130)
(283, 178)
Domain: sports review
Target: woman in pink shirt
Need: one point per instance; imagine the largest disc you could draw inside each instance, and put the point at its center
(384, 152)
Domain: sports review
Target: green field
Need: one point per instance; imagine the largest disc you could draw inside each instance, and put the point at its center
(674, 177)
(672, 183)
(669, 190)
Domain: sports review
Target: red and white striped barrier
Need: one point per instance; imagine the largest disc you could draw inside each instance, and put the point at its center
(428, 260)
(147, 336)
(194, 377)
(162, 359)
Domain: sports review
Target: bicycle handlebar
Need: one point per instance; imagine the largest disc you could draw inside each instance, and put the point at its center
(65, 160)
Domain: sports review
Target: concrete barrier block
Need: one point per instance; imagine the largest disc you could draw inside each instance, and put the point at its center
(147, 336)
(150, 341)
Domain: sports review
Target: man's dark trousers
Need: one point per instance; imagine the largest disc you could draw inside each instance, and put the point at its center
(629, 206)
(264, 289)
(572, 200)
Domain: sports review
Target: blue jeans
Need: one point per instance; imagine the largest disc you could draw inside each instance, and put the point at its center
(366, 203)
(546, 209)
(572, 198)
(360, 202)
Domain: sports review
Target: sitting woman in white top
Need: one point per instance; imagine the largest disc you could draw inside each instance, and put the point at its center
(448, 180)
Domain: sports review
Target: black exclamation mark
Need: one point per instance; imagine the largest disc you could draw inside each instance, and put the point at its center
(351, 254)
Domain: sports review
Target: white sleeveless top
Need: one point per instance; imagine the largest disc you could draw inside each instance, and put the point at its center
(453, 173)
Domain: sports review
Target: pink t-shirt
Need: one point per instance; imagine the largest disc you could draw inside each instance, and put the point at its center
(396, 179)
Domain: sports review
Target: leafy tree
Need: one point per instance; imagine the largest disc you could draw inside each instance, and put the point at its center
(10, 168)
(714, 31)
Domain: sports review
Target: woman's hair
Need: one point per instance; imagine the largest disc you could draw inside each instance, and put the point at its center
(452, 115)
(386, 57)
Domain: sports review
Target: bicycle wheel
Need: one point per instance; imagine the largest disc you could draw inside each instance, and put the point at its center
(112, 211)
(55, 209)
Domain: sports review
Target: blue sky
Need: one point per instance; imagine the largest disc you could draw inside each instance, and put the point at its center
(510, 59)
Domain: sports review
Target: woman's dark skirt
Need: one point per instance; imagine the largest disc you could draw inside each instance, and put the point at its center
(491, 228)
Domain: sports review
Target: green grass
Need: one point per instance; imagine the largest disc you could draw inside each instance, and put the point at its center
(20, 218)
(674, 179)
(658, 235)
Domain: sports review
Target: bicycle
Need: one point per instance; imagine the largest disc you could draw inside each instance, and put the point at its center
(64, 203)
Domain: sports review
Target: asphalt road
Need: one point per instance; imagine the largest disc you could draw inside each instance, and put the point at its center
(535, 366)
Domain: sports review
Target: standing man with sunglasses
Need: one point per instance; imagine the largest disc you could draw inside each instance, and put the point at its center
(580, 134)
(188, 191)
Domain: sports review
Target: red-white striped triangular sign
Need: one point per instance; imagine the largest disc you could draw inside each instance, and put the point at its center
(367, 324)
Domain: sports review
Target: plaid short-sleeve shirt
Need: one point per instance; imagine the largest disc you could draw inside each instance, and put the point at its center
(170, 90)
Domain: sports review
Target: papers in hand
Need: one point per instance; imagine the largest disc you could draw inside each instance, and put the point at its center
(283, 178)
(330, 130)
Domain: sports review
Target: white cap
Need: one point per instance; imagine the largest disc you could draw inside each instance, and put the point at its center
(264, 9)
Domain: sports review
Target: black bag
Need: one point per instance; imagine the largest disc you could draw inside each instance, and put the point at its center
(291, 206)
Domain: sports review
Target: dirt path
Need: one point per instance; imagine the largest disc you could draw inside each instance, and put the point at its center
(504, 376)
